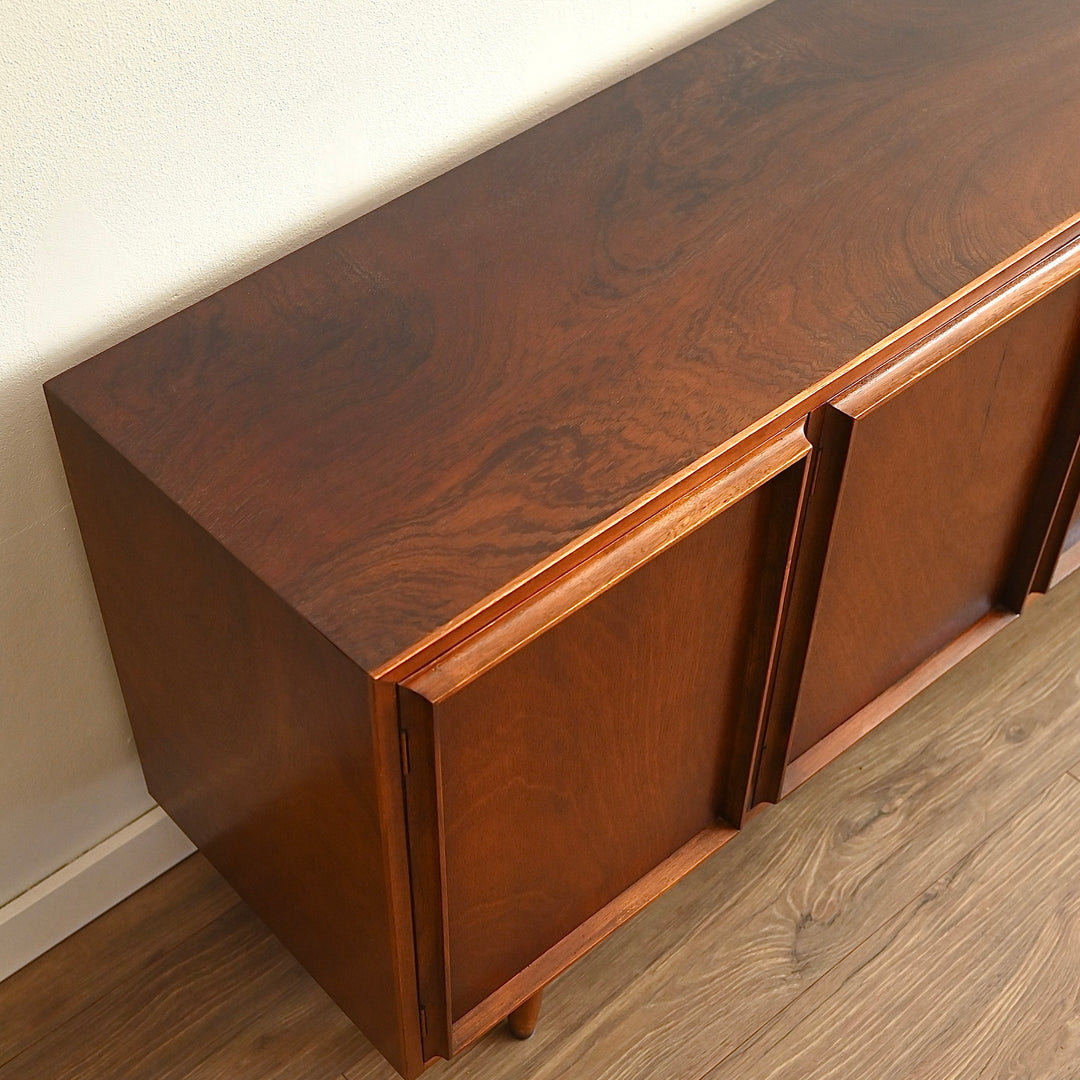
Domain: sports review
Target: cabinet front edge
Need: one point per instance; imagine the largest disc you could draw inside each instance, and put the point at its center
(524, 623)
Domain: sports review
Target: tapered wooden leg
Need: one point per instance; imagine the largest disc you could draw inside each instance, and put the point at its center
(523, 1019)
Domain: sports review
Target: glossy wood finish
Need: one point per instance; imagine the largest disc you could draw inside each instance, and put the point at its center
(258, 735)
(467, 577)
(938, 480)
(583, 760)
(393, 424)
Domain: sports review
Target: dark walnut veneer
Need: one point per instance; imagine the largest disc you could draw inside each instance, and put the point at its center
(471, 573)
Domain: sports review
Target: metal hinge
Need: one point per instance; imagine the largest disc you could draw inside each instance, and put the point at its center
(404, 753)
(423, 1024)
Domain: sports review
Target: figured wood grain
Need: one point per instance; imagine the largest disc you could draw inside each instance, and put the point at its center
(132, 935)
(458, 666)
(392, 423)
(579, 763)
(943, 329)
(594, 754)
(963, 982)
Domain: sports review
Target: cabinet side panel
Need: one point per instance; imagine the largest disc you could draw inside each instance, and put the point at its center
(579, 763)
(936, 492)
(256, 734)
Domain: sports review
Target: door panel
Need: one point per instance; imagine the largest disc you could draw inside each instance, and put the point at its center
(936, 487)
(582, 761)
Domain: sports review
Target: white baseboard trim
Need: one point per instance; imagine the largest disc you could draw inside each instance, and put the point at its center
(44, 915)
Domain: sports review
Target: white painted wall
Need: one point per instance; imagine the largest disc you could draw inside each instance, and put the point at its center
(151, 151)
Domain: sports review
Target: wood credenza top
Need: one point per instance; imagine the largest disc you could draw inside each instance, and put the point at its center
(412, 420)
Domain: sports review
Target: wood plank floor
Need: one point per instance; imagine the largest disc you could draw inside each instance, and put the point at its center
(912, 911)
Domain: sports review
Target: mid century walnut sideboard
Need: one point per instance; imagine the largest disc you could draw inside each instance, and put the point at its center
(472, 572)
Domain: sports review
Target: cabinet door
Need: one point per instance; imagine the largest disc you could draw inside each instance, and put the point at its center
(928, 511)
(605, 752)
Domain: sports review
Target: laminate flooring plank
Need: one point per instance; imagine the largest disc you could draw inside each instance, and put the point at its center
(165, 1020)
(301, 1035)
(696, 974)
(963, 982)
(111, 949)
